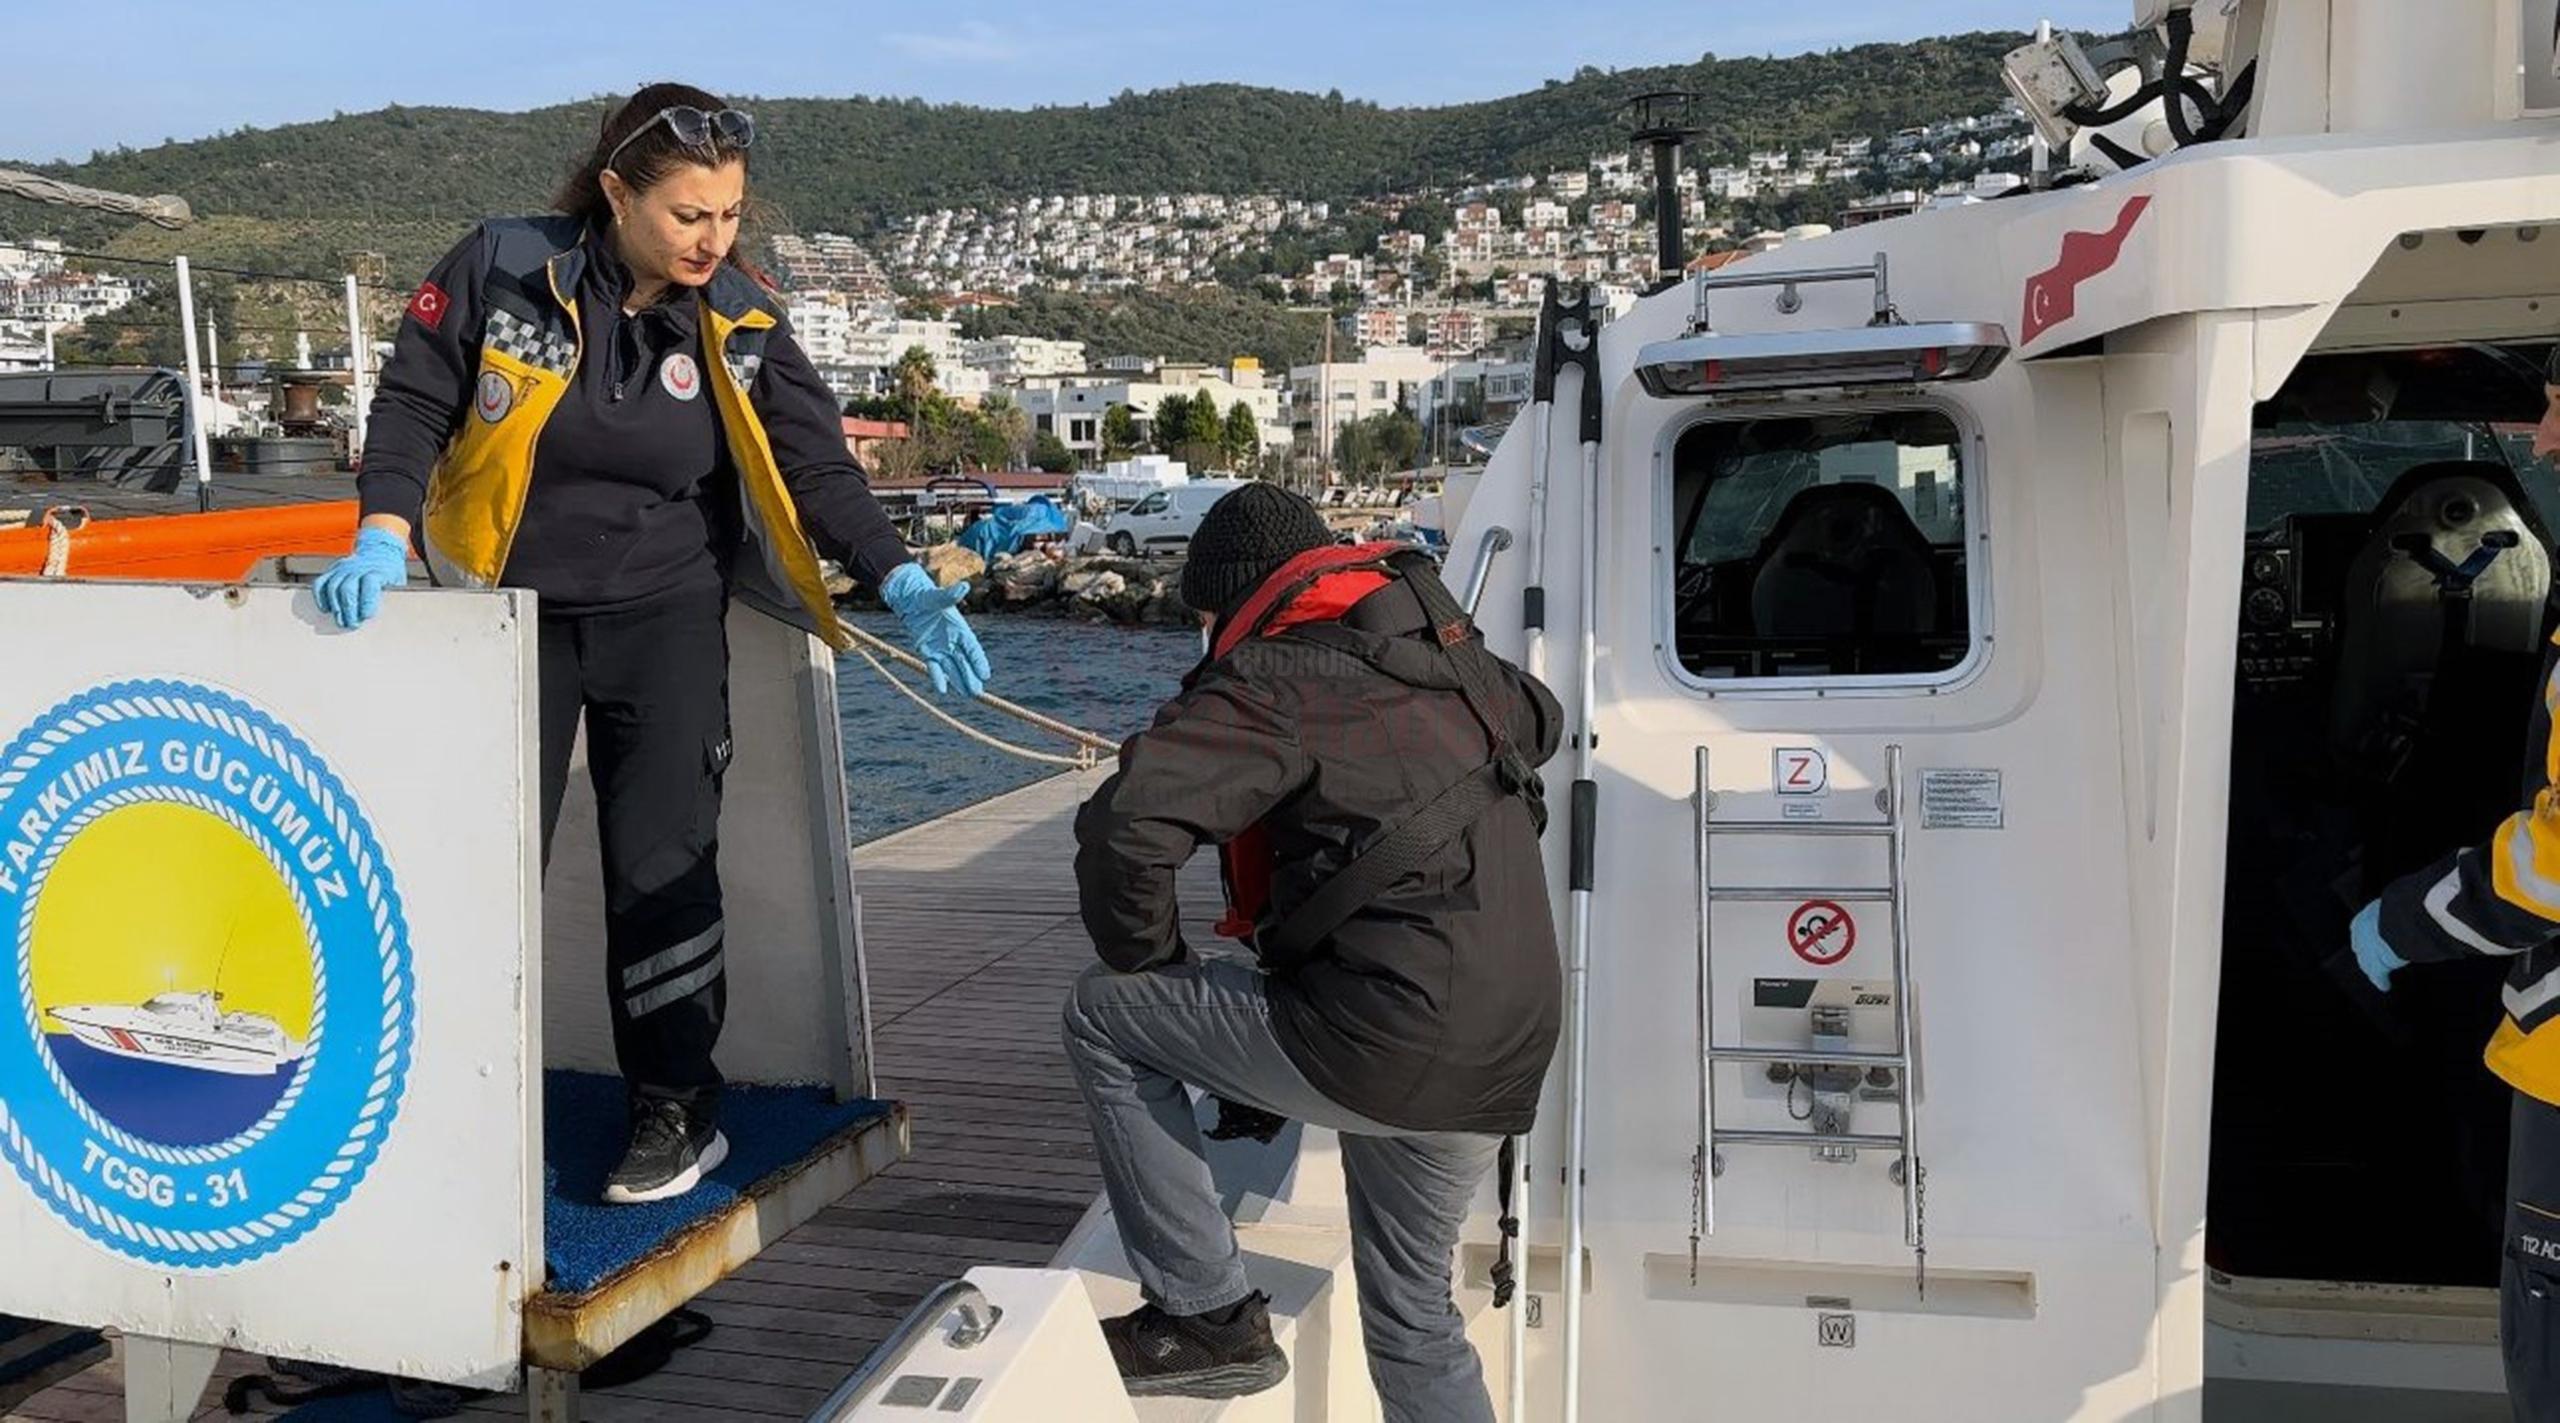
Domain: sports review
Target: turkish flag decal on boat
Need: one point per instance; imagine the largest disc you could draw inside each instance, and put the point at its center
(2053, 294)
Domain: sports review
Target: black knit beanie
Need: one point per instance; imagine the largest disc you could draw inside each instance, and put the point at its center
(1242, 540)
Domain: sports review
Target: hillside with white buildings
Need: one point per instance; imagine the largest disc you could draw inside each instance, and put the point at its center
(40, 296)
(1585, 224)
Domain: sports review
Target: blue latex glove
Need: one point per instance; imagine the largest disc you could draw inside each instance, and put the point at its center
(942, 637)
(2372, 955)
(351, 589)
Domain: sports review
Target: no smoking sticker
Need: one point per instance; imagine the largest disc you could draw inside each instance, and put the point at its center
(1821, 932)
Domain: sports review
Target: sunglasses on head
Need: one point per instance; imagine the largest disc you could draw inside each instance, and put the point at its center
(731, 129)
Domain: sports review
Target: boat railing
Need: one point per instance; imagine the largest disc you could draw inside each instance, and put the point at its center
(1495, 540)
(972, 1318)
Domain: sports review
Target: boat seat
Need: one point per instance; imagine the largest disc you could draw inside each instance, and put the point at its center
(2456, 573)
(1845, 563)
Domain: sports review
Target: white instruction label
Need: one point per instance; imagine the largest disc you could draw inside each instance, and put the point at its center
(1960, 800)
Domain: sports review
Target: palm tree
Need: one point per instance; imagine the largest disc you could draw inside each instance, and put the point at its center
(913, 379)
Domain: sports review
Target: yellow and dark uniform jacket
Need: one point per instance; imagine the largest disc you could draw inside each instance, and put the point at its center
(493, 345)
(2502, 900)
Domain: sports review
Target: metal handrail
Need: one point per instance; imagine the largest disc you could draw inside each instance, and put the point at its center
(1705, 284)
(978, 1319)
(1496, 539)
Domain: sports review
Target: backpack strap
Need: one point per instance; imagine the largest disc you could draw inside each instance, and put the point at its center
(1412, 842)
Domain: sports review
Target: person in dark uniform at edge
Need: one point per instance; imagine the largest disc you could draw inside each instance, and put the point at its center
(2502, 900)
(606, 407)
(1332, 709)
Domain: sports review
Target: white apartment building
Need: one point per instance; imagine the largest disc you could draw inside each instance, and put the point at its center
(1458, 331)
(1339, 267)
(1517, 290)
(22, 346)
(879, 344)
(67, 300)
(1471, 250)
(1010, 360)
(39, 257)
(1504, 388)
(1569, 185)
(1376, 326)
(1071, 407)
(1329, 395)
(826, 261)
(823, 324)
(1545, 212)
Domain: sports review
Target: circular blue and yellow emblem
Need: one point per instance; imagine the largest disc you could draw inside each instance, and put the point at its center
(211, 972)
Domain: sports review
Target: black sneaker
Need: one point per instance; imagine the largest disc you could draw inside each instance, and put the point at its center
(672, 1148)
(1188, 1356)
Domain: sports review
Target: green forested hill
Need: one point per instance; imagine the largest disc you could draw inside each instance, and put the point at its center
(841, 162)
(405, 182)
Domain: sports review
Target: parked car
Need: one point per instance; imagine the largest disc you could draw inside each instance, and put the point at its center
(1163, 522)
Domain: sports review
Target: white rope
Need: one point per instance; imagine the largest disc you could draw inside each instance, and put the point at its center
(1089, 744)
(58, 524)
(166, 210)
(1083, 760)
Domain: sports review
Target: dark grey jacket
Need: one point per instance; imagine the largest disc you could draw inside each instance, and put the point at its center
(1434, 1008)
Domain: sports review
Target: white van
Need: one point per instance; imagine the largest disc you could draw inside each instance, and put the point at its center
(1162, 522)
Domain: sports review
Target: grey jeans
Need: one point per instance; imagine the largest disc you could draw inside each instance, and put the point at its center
(1134, 1040)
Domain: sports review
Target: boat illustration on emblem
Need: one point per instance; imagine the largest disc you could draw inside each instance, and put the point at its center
(183, 1030)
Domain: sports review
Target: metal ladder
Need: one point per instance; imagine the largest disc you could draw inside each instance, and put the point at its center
(1834, 1145)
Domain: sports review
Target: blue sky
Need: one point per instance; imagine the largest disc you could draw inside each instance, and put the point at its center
(95, 74)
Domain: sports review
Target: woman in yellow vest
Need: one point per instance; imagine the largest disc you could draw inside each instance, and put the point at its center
(606, 406)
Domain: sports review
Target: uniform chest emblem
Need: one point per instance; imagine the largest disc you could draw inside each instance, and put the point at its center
(495, 397)
(681, 377)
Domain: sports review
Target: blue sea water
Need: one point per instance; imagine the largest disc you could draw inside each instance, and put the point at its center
(163, 1103)
(903, 767)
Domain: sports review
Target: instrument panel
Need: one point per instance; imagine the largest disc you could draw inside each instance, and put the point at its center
(2291, 577)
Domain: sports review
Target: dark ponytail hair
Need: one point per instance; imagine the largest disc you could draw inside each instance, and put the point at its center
(649, 159)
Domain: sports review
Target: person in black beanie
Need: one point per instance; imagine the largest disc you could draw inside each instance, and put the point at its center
(1243, 539)
(1368, 770)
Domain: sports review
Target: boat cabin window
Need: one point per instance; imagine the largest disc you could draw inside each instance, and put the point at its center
(1821, 545)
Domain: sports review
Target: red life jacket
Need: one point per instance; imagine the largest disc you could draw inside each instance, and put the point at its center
(1320, 585)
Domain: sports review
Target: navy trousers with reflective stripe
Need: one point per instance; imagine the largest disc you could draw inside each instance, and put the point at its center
(653, 685)
(2529, 1293)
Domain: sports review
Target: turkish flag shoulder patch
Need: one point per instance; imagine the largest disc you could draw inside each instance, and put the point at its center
(430, 305)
